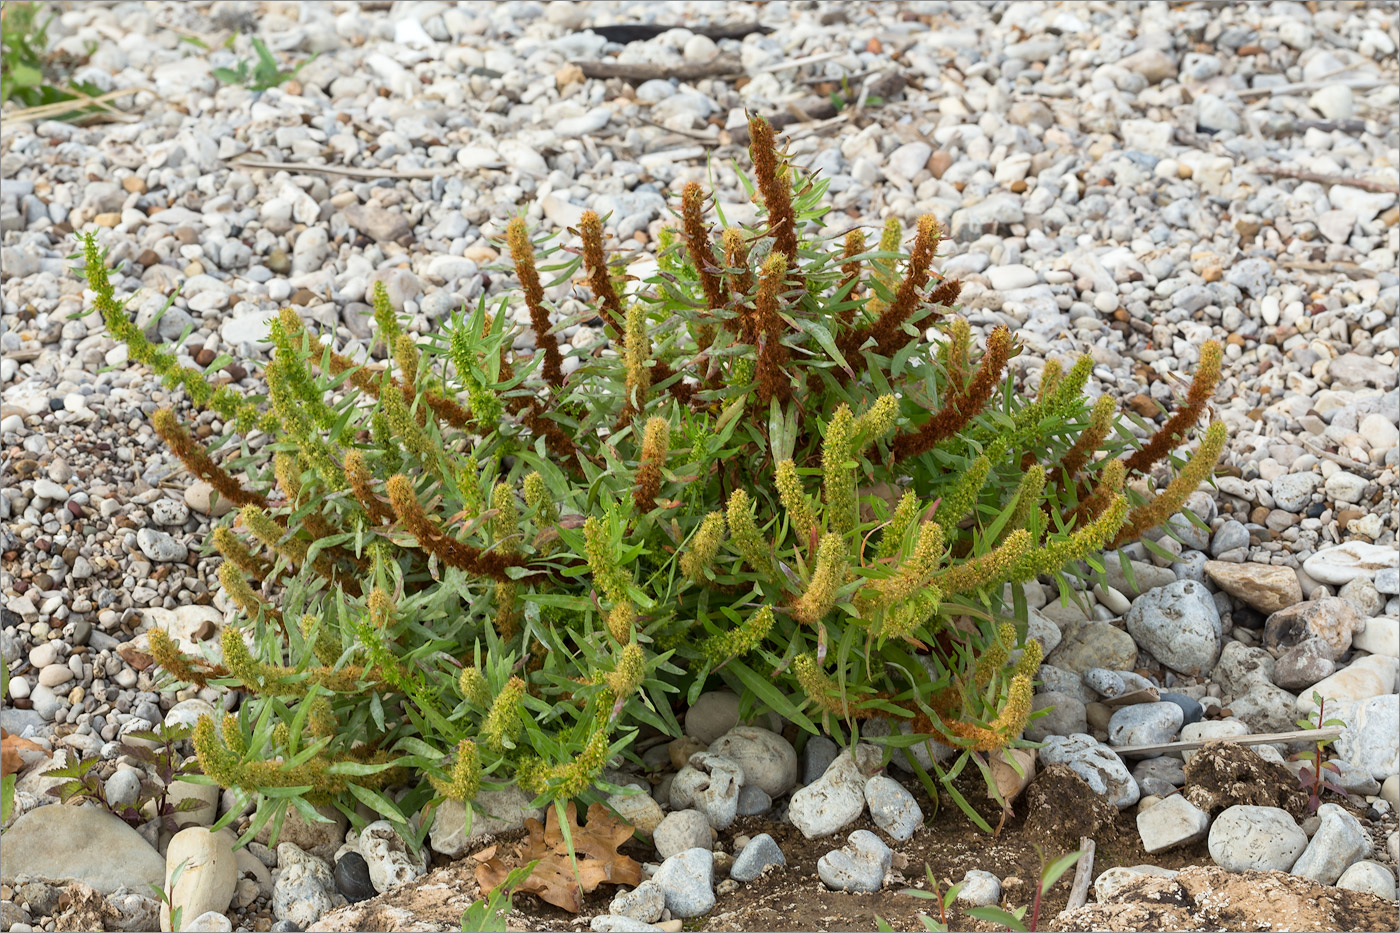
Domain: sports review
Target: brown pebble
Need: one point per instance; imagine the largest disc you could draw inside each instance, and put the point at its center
(237, 372)
(1213, 274)
(205, 356)
(148, 258)
(133, 184)
(186, 235)
(1258, 514)
(1144, 405)
(303, 297)
(681, 750)
(1346, 516)
(939, 162)
(1235, 340)
(569, 74)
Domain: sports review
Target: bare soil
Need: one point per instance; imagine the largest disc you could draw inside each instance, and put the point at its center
(1057, 809)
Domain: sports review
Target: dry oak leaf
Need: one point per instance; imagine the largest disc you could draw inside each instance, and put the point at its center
(553, 879)
(10, 747)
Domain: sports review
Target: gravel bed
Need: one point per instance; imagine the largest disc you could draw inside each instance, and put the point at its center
(1128, 180)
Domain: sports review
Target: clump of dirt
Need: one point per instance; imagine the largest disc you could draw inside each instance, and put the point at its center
(433, 903)
(1210, 898)
(1226, 774)
(82, 908)
(1061, 809)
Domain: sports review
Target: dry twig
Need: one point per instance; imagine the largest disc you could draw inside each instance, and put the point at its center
(1259, 738)
(637, 72)
(1365, 184)
(1083, 875)
(340, 169)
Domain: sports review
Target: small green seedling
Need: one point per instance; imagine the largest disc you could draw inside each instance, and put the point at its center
(262, 74)
(166, 895)
(488, 915)
(1013, 920)
(943, 900)
(1313, 778)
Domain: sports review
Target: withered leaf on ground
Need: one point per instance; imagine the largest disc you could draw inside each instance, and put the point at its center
(10, 747)
(553, 879)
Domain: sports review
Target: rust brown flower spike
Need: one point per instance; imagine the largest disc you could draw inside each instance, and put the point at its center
(595, 263)
(522, 252)
(771, 369)
(198, 461)
(850, 270)
(358, 475)
(1185, 418)
(962, 404)
(448, 549)
(774, 186)
(697, 241)
(888, 331)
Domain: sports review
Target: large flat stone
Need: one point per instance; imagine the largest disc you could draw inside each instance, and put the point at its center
(84, 844)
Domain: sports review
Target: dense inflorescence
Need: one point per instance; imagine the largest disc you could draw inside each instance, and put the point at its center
(786, 466)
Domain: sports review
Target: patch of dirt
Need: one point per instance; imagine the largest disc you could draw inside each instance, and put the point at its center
(1056, 810)
(794, 898)
(1061, 809)
(435, 902)
(1225, 774)
(1210, 898)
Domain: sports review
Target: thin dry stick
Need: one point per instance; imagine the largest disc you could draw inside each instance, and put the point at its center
(341, 169)
(803, 130)
(57, 108)
(1349, 269)
(1357, 84)
(645, 71)
(1365, 184)
(1356, 466)
(711, 138)
(799, 62)
(1083, 874)
(1259, 738)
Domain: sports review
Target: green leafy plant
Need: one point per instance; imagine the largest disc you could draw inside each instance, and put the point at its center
(23, 43)
(262, 71)
(786, 467)
(166, 895)
(1014, 920)
(7, 782)
(1313, 777)
(943, 900)
(488, 915)
(29, 73)
(165, 761)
